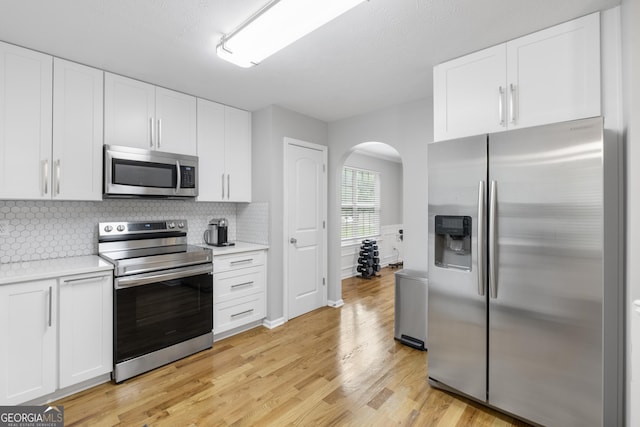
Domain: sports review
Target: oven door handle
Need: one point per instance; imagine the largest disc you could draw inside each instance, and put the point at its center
(153, 277)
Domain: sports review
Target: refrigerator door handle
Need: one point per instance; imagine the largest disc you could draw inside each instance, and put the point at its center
(492, 241)
(481, 246)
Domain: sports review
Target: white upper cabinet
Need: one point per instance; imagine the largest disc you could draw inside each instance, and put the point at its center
(25, 123)
(224, 153)
(467, 94)
(50, 127)
(77, 131)
(129, 112)
(176, 122)
(549, 76)
(237, 154)
(554, 75)
(141, 115)
(210, 151)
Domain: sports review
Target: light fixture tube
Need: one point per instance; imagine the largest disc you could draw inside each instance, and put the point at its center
(277, 25)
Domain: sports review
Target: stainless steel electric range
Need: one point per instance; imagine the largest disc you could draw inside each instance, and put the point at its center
(163, 294)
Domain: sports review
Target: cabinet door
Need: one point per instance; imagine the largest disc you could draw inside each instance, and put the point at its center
(77, 131)
(25, 123)
(468, 94)
(554, 74)
(129, 112)
(210, 151)
(175, 122)
(86, 325)
(237, 158)
(28, 330)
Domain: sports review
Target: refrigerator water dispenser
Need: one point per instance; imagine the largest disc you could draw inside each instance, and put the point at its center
(453, 242)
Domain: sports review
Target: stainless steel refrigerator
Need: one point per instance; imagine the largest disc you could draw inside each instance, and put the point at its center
(525, 272)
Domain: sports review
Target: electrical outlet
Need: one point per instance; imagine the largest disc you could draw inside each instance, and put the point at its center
(4, 227)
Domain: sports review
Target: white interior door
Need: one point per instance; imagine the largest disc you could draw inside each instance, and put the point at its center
(305, 232)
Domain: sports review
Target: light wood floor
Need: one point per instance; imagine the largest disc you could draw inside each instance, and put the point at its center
(331, 367)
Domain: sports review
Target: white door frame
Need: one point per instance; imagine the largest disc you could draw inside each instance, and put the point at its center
(285, 221)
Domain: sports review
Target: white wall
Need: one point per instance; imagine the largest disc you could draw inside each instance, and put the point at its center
(631, 79)
(408, 128)
(269, 127)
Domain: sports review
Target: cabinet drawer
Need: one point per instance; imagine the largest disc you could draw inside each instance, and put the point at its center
(235, 261)
(238, 312)
(238, 283)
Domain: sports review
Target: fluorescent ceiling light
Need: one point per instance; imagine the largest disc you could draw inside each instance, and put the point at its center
(277, 25)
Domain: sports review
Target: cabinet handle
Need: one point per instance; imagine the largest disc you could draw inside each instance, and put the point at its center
(151, 132)
(242, 284)
(159, 132)
(228, 186)
(58, 176)
(512, 91)
(222, 186)
(500, 105)
(242, 261)
(241, 313)
(50, 303)
(84, 279)
(45, 176)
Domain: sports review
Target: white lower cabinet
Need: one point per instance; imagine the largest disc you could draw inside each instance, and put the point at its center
(239, 291)
(55, 333)
(28, 333)
(86, 327)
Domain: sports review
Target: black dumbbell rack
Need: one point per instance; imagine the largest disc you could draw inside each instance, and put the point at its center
(368, 259)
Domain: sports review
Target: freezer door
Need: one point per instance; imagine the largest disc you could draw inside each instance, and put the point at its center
(457, 314)
(545, 311)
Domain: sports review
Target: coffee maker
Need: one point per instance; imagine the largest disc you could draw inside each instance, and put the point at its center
(216, 233)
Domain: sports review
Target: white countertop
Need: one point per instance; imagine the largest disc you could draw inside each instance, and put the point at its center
(237, 248)
(51, 268)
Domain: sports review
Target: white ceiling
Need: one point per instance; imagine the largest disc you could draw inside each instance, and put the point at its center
(381, 53)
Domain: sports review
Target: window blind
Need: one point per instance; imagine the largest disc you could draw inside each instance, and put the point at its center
(360, 208)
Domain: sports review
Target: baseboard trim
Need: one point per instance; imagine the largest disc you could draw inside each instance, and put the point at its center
(270, 324)
(335, 304)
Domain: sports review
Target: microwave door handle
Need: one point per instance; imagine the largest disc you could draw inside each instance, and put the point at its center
(179, 180)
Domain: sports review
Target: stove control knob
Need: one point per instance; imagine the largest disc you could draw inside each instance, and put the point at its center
(121, 227)
(108, 229)
(181, 225)
(172, 225)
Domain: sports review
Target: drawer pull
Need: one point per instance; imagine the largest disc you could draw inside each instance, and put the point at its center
(242, 261)
(242, 284)
(85, 279)
(242, 313)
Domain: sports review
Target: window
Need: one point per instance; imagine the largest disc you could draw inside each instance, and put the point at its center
(360, 212)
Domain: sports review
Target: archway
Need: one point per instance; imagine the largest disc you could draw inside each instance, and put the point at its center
(371, 171)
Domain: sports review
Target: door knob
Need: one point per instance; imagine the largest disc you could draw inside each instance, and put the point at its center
(293, 240)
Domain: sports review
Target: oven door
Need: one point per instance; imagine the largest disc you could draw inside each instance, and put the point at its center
(156, 310)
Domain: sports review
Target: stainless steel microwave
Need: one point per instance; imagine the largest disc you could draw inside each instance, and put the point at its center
(136, 172)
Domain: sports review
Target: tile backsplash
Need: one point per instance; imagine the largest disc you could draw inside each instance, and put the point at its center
(52, 229)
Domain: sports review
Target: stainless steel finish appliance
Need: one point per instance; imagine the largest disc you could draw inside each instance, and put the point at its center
(163, 294)
(217, 233)
(135, 172)
(525, 272)
(411, 308)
